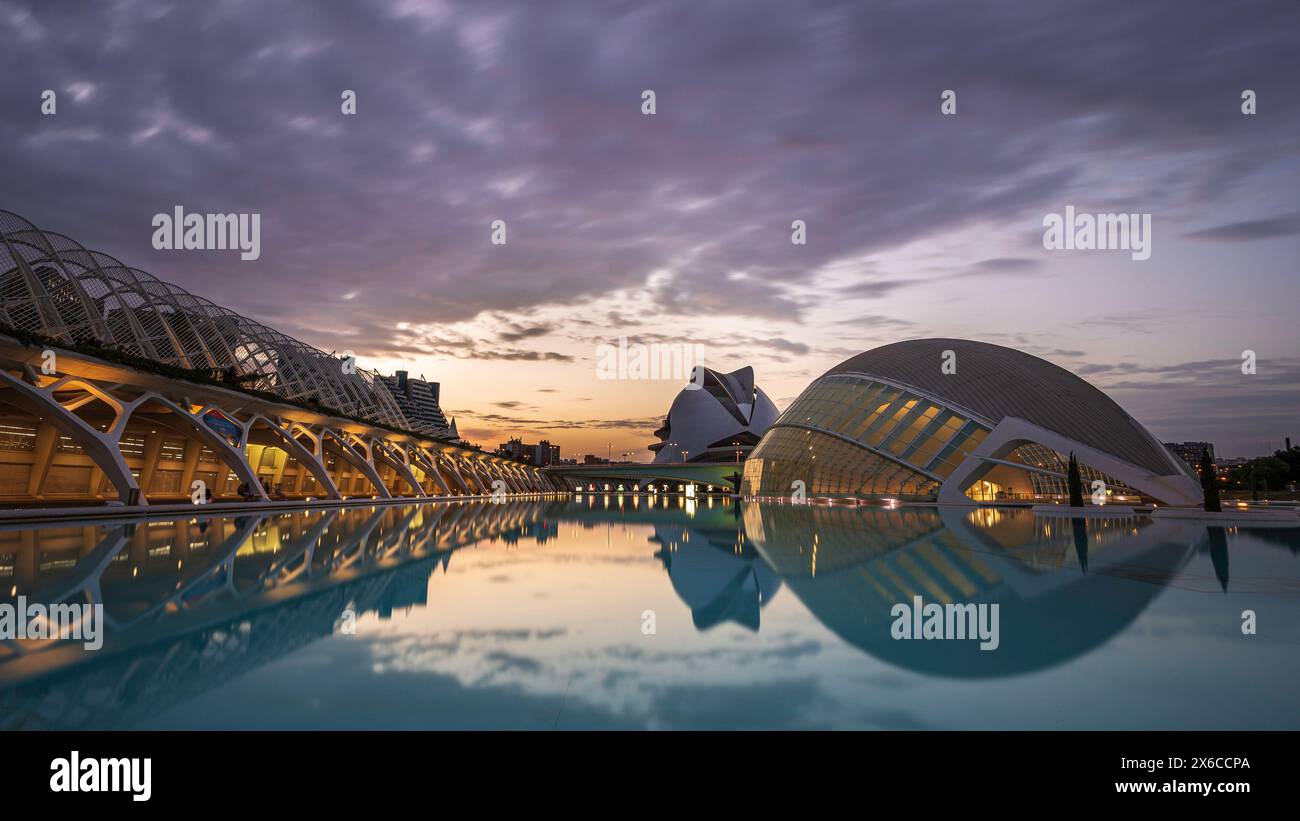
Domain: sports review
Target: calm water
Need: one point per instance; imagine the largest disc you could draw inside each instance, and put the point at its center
(626, 613)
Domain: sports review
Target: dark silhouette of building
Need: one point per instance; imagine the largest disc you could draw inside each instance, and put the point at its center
(419, 403)
(540, 454)
(1190, 452)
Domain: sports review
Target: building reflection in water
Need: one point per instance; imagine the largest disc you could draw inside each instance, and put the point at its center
(193, 603)
(1063, 588)
(716, 573)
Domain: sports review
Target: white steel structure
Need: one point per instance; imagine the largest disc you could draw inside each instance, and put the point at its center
(52, 286)
(253, 413)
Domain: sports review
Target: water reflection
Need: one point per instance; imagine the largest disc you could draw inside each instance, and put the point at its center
(1063, 586)
(716, 573)
(191, 603)
(545, 615)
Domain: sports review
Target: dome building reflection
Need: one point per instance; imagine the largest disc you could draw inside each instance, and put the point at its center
(1059, 598)
(717, 574)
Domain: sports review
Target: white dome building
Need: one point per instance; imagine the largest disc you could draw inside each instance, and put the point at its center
(894, 423)
(718, 417)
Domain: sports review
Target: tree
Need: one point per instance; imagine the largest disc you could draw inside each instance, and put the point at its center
(1263, 473)
(1209, 483)
(1075, 482)
(1291, 458)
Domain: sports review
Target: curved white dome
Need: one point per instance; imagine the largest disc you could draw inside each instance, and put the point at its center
(725, 413)
(895, 422)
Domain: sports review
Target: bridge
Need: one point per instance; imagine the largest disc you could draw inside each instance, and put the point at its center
(580, 477)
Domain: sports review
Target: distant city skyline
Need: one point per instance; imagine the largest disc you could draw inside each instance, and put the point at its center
(675, 228)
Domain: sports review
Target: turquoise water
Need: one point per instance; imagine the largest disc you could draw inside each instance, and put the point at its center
(627, 612)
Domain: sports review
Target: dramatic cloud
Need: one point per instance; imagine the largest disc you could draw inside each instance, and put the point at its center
(1205, 397)
(376, 228)
(1284, 226)
(516, 332)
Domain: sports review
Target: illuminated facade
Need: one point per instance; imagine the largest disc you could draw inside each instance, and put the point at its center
(115, 385)
(995, 425)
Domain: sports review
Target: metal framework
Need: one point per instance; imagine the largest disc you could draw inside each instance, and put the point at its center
(894, 423)
(53, 286)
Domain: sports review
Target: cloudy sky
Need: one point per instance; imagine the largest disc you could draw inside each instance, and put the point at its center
(676, 228)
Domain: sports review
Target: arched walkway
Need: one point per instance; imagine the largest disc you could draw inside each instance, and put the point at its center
(99, 446)
(354, 458)
(307, 458)
(184, 422)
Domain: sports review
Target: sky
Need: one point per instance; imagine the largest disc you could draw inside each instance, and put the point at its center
(675, 227)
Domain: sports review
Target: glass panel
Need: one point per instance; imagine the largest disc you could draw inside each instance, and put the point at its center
(826, 465)
(912, 426)
(889, 419)
(935, 436)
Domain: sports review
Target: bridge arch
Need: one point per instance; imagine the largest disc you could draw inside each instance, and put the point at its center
(101, 448)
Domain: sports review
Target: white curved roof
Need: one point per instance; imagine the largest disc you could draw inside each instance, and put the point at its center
(728, 405)
(52, 286)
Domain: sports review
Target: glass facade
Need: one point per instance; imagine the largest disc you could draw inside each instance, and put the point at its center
(1045, 485)
(852, 436)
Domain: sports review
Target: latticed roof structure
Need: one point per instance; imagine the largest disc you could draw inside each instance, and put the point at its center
(895, 422)
(52, 286)
(995, 382)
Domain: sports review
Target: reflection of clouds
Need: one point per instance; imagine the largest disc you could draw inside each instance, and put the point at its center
(594, 660)
(887, 680)
(509, 662)
(640, 683)
(776, 705)
(271, 698)
(478, 656)
(613, 678)
(479, 649)
(891, 719)
(739, 655)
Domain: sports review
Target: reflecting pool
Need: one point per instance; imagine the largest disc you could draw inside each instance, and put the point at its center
(636, 612)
